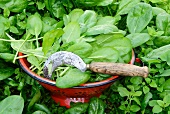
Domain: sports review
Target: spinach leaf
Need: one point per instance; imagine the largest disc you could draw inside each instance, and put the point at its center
(49, 24)
(34, 25)
(82, 49)
(34, 61)
(8, 105)
(161, 41)
(14, 5)
(69, 32)
(6, 72)
(49, 38)
(107, 20)
(96, 106)
(87, 20)
(138, 39)
(139, 17)
(156, 53)
(166, 57)
(125, 6)
(57, 9)
(73, 77)
(5, 25)
(146, 99)
(101, 29)
(105, 54)
(75, 14)
(115, 40)
(162, 23)
(157, 10)
(8, 57)
(78, 108)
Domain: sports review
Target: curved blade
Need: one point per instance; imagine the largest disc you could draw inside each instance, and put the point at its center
(60, 58)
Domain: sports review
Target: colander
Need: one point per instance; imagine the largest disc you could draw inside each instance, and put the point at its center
(81, 93)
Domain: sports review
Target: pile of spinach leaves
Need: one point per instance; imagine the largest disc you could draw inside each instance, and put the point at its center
(97, 25)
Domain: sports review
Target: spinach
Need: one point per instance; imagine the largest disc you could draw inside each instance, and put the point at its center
(14, 5)
(73, 77)
(69, 32)
(96, 105)
(49, 38)
(12, 107)
(139, 17)
(87, 20)
(162, 23)
(138, 39)
(125, 6)
(82, 49)
(5, 70)
(78, 108)
(34, 26)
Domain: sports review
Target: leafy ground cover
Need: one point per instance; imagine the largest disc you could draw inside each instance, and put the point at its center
(144, 23)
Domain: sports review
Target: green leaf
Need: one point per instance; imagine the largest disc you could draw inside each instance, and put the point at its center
(5, 70)
(101, 29)
(49, 38)
(69, 32)
(87, 20)
(107, 20)
(40, 5)
(166, 99)
(161, 41)
(117, 41)
(153, 84)
(82, 49)
(8, 105)
(41, 107)
(14, 30)
(104, 3)
(96, 106)
(137, 93)
(136, 80)
(35, 99)
(14, 5)
(162, 23)
(134, 108)
(136, 99)
(156, 53)
(165, 73)
(165, 57)
(73, 77)
(156, 109)
(78, 108)
(166, 85)
(8, 57)
(123, 91)
(34, 61)
(139, 17)
(153, 103)
(111, 55)
(126, 5)
(75, 14)
(160, 103)
(138, 39)
(39, 112)
(146, 89)
(157, 10)
(34, 24)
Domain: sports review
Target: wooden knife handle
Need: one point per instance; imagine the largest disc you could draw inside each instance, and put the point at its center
(120, 69)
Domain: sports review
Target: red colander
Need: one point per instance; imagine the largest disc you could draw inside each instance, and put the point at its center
(81, 93)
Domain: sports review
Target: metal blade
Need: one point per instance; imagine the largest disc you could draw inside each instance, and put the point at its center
(60, 58)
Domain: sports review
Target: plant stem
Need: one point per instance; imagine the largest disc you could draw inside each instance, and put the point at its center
(20, 48)
(65, 70)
